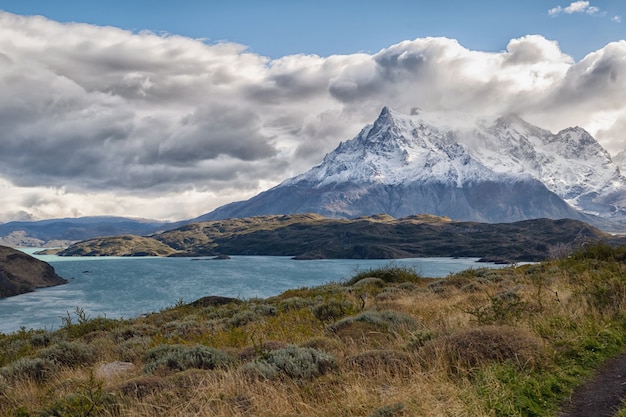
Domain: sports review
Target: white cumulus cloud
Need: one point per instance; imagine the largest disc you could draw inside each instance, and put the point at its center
(98, 120)
(575, 7)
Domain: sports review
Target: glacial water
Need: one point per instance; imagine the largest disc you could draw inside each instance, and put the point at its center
(128, 287)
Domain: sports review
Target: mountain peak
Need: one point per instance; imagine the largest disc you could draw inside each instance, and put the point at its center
(453, 164)
(387, 118)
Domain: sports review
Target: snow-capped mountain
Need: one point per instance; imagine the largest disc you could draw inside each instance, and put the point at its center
(484, 169)
(620, 161)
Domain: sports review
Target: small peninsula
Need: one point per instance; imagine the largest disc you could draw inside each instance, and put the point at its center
(21, 273)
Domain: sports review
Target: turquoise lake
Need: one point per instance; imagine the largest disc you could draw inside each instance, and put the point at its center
(128, 287)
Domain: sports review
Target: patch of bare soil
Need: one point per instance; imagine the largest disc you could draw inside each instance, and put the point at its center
(602, 395)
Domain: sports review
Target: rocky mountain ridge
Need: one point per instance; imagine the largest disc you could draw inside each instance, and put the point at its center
(474, 169)
(63, 232)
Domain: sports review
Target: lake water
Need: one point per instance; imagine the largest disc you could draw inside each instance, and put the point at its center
(128, 287)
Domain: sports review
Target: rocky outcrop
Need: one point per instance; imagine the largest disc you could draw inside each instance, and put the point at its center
(21, 273)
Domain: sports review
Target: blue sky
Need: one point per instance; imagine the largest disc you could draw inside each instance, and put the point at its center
(325, 27)
(132, 107)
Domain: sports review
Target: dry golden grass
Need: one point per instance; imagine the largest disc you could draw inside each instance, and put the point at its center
(481, 343)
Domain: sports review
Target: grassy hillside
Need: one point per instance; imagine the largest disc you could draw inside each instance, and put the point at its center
(510, 342)
(313, 236)
(124, 245)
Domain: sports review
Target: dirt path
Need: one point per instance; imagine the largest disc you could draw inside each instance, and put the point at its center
(602, 395)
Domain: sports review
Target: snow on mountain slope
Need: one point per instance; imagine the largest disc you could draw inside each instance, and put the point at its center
(571, 163)
(488, 170)
(453, 148)
(497, 169)
(620, 161)
(398, 149)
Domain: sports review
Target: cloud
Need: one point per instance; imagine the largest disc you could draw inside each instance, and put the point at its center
(616, 19)
(575, 7)
(98, 120)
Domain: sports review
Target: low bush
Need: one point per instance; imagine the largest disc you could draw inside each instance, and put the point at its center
(92, 401)
(418, 338)
(292, 303)
(503, 308)
(35, 369)
(467, 350)
(70, 354)
(40, 339)
(389, 274)
(331, 310)
(293, 362)
(182, 357)
(252, 352)
(388, 320)
(371, 282)
(253, 313)
(80, 324)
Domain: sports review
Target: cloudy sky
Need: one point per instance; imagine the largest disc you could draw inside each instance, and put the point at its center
(168, 110)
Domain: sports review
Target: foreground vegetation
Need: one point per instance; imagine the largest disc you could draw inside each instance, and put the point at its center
(510, 342)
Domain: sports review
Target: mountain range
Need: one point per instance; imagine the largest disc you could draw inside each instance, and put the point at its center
(467, 168)
(61, 232)
(487, 169)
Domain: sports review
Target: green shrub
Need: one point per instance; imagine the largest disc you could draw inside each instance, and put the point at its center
(255, 351)
(185, 328)
(71, 354)
(331, 310)
(389, 274)
(36, 369)
(389, 320)
(294, 362)
(242, 318)
(40, 339)
(80, 324)
(419, 338)
(601, 252)
(292, 303)
(372, 282)
(181, 357)
(93, 401)
(132, 349)
(251, 314)
(503, 308)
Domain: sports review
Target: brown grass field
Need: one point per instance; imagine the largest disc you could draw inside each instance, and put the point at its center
(510, 342)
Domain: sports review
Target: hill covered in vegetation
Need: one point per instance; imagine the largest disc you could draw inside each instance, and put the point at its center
(311, 236)
(484, 342)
